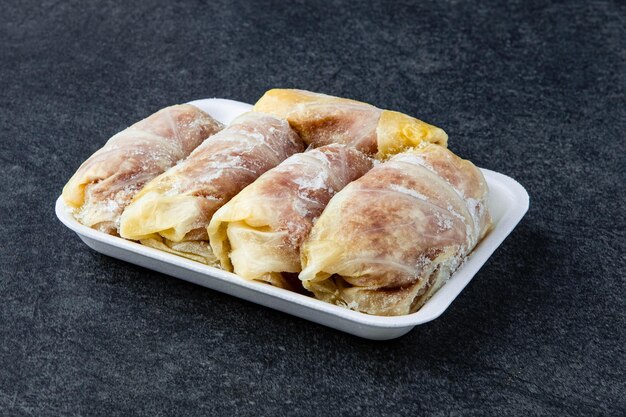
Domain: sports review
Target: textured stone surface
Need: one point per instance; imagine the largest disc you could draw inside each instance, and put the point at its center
(535, 90)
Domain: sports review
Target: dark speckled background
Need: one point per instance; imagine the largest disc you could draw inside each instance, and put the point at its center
(535, 90)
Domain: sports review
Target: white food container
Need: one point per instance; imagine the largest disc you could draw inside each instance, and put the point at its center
(508, 202)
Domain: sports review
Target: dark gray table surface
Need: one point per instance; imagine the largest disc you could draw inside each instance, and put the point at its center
(535, 90)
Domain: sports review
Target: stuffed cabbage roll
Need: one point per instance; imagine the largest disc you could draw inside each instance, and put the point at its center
(389, 240)
(106, 182)
(177, 206)
(321, 120)
(259, 232)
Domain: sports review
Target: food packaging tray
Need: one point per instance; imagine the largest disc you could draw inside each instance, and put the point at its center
(508, 202)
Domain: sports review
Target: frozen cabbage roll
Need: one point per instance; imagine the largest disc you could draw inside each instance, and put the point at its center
(177, 206)
(389, 240)
(321, 120)
(259, 232)
(106, 182)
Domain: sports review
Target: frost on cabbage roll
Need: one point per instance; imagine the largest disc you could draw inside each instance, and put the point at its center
(259, 232)
(389, 240)
(106, 182)
(177, 206)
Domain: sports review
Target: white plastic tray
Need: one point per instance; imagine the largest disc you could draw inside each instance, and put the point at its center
(508, 202)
